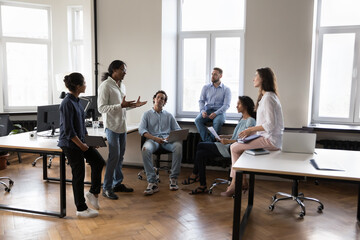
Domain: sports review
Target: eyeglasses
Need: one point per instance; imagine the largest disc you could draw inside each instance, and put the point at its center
(123, 70)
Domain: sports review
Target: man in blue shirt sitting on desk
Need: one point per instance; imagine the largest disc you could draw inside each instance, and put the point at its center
(156, 125)
(214, 101)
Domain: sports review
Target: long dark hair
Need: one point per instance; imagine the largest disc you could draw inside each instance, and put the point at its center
(268, 82)
(248, 103)
(116, 64)
(73, 80)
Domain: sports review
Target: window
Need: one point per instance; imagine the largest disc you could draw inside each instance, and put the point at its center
(211, 34)
(76, 39)
(25, 43)
(336, 95)
(39, 45)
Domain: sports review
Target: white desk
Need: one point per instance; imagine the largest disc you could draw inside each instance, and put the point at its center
(46, 146)
(290, 164)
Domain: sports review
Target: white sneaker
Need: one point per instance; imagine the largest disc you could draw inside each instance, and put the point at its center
(88, 213)
(94, 201)
(151, 189)
(173, 184)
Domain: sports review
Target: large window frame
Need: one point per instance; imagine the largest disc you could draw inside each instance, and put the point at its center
(76, 44)
(354, 107)
(4, 40)
(60, 57)
(210, 37)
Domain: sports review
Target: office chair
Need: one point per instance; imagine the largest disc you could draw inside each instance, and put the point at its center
(157, 160)
(225, 162)
(51, 157)
(7, 187)
(295, 194)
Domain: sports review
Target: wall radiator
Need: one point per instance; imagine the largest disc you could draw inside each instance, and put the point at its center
(338, 144)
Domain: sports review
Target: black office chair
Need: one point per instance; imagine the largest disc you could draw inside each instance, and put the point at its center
(157, 161)
(225, 162)
(295, 194)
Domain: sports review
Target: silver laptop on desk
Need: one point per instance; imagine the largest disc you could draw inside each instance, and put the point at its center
(178, 135)
(299, 142)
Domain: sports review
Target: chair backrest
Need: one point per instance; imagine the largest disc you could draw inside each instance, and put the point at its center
(5, 125)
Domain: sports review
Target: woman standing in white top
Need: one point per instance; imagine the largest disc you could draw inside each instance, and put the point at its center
(269, 123)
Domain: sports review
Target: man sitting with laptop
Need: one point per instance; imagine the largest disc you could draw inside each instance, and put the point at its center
(156, 125)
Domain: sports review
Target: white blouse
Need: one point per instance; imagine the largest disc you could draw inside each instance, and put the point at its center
(269, 115)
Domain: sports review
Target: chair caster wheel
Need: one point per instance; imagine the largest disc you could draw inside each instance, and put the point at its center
(140, 177)
(271, 207)
(301, 215)
(33, 164)
(320, 208)
(11, 182)
(210, 191)
(7, 189)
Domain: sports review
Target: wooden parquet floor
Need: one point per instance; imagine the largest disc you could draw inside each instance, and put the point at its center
(173, 214)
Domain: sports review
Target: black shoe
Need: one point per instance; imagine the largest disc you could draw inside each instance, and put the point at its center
(122, 188)
(110, 194)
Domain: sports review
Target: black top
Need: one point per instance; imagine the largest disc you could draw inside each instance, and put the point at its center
(72, 121)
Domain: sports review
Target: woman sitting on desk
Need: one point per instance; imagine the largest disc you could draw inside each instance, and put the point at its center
(269, 123)
(71, 141)
(208, 150)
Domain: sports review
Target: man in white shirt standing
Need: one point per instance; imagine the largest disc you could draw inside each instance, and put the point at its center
(112, 105)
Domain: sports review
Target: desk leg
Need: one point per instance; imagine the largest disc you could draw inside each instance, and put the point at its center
(358, 209)
(237, 205)
(45, 176)
(62, 186)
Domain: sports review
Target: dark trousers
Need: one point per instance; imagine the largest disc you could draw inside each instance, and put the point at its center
(76, 159)
(204, 152)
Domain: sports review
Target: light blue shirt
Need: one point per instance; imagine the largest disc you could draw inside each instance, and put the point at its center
(241, 126)
(158, 124)
(214, 98)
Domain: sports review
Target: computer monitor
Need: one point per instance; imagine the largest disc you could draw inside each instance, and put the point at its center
(85, 103)
(5, 125)
(92, 110)
(48, 118)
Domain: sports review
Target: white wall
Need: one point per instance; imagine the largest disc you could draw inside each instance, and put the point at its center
(130, 30)
(278, 35)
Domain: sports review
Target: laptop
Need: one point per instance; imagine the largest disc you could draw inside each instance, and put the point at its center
(95, 141)
(299, 142)
(178, 135)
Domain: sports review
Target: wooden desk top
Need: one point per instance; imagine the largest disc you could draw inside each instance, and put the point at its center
(298, 164)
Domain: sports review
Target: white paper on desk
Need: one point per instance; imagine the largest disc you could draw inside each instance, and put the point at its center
(328, 165)
(213, 132)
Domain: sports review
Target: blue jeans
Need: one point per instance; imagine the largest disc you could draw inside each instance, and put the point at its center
(113, 173)
(151, 146)
(218, 121)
